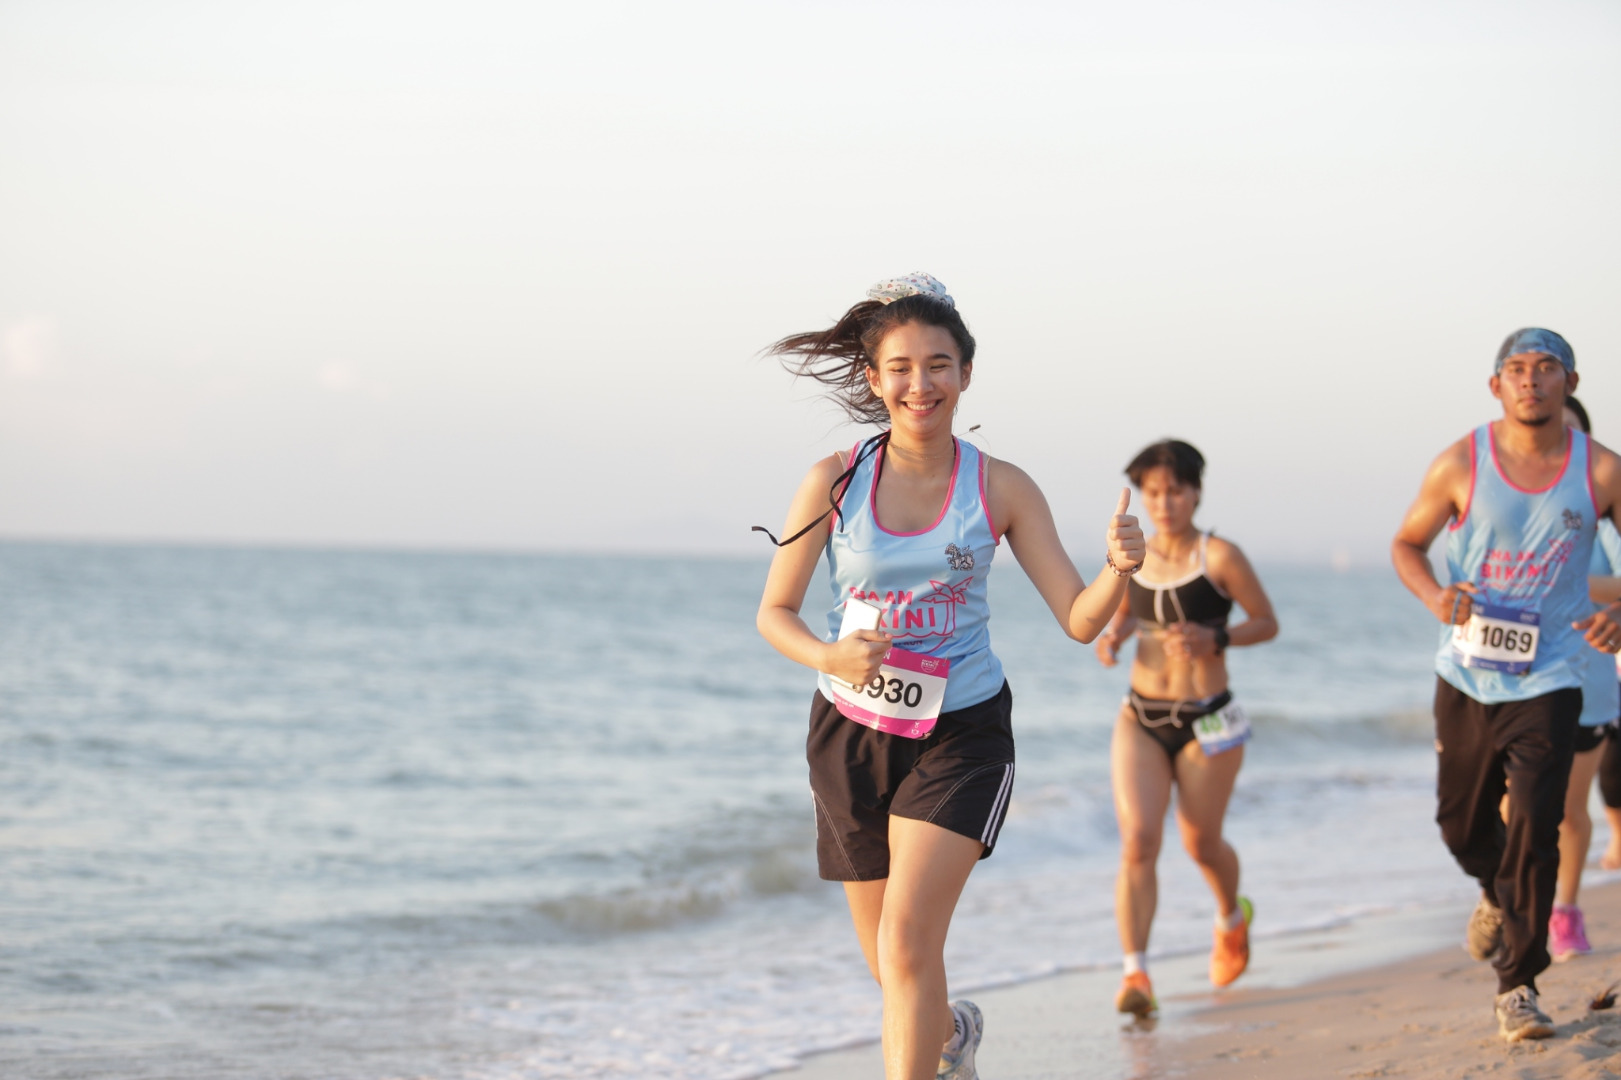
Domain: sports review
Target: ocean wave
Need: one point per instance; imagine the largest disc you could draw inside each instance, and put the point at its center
(765, 872)
(1398, 727)
(630, 910)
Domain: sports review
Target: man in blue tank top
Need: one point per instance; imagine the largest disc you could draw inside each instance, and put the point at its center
(1519, 499)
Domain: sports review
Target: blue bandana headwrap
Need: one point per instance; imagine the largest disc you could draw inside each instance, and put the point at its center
(1536, 340)
(914, 284)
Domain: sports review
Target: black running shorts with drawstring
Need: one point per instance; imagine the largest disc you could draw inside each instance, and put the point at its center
(959, 778)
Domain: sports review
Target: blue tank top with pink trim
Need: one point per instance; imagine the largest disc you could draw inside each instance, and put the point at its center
(930, 585)
(1527, 550)
(1601, 698)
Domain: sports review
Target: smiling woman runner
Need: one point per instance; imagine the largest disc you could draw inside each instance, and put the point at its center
(910, 745)
(1180, 726)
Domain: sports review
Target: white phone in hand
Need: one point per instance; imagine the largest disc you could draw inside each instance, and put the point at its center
(858, 615)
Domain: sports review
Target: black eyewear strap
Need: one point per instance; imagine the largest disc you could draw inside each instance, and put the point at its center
(870, 447)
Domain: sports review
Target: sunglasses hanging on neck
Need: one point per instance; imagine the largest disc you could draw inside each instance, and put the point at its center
(870, 447)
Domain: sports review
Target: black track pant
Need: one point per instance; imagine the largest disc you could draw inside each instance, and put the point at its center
(1525, 747)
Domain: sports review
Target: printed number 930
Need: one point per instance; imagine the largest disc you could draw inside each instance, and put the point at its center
(1498, 637)
(895, 691)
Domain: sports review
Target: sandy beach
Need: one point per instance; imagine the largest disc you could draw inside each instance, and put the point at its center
(1391, 995)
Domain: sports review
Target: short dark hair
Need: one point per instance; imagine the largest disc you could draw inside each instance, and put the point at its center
(1185, 463)
(1581, 413)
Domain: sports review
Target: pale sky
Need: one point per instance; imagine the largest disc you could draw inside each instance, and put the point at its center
(497, 275)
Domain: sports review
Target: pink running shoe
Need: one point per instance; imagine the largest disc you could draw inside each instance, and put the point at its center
(1567, 933)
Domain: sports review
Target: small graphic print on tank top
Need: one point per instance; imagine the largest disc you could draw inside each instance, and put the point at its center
(959, 558)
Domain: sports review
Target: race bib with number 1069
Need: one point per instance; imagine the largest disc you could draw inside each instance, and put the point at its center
(904, 698)
(1497, 639)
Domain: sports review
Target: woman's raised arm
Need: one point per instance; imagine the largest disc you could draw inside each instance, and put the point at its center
(1021, 511)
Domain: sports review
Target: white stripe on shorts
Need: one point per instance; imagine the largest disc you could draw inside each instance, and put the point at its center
(998, 808)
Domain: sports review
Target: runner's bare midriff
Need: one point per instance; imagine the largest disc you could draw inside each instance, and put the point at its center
(1156, 675)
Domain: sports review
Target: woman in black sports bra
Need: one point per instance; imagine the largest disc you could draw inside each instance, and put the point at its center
(1179, 727)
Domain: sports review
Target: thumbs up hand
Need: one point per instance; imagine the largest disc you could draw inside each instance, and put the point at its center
(1125, 539)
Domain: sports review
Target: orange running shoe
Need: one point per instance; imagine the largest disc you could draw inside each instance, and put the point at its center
(1136, 996)
(1232, 952)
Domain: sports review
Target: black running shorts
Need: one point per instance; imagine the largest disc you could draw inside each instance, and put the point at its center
(958, 778)
(1591, 738)
(1170, 723)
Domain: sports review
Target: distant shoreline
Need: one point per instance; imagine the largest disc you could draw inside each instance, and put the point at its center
(759, 552)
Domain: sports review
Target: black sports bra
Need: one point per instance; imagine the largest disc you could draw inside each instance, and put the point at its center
(1193, 598)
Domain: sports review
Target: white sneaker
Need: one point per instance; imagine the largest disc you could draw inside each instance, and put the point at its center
(1519, 1018)
(959, 1065)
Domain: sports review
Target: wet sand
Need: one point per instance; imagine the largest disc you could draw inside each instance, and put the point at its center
(1391, 995)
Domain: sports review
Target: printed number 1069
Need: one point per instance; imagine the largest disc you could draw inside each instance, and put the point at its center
(1498, 637)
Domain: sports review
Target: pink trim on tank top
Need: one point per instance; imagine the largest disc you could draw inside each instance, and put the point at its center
(845, 464)
(872, 496)
(1474, 456)
(984, 499)
(1570, 449)
(1592, 497)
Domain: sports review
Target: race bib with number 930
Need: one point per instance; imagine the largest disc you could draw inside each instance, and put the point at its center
(905, 697)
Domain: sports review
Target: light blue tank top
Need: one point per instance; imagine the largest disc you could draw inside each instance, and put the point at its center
(930, 585)
(1528, 550)
(1601, 697)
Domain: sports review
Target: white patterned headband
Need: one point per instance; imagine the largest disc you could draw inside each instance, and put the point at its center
(914, 284)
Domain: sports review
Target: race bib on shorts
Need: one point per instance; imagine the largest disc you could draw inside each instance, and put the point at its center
(1497, 639)
(904, 698)
(1223, 729)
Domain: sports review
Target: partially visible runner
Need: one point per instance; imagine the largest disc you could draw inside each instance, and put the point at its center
(911, 743)
(1601, 703)
(1605, 586)
(1180, 727)
(1519, 498)
(1608, 590)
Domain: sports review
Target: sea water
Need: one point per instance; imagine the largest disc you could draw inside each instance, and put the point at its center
(280, 813)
